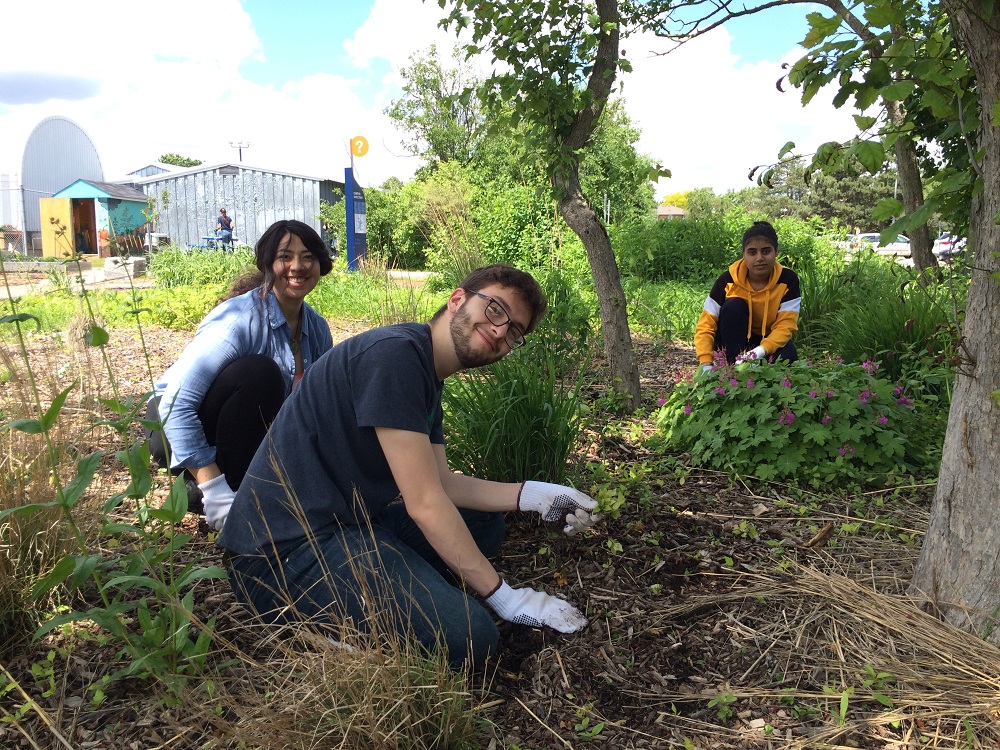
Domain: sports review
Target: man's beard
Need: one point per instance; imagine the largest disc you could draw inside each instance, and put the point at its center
(462, 331)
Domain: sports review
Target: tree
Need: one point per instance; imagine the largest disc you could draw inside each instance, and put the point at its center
(613, 170)
(179, 161)
(846, 196)
(958, 572)
(559, 65)
(871, 52)
(443, 124)
(843, 197)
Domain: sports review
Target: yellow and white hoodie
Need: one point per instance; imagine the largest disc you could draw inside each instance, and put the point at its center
(774, 310)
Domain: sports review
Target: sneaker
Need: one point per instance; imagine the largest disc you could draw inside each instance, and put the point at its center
(195, 496)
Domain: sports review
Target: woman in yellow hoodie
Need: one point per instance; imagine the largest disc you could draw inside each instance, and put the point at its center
(753, 308)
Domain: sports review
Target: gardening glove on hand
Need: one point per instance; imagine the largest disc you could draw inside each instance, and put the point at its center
(706, 368)
(535, 609)
(552, 500)
(758, 352)
(218, 497)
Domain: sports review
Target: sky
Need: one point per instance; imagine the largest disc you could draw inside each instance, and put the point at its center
(297, 79)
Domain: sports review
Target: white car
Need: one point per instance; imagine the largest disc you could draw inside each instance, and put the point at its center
(901, 246)
(948, 245)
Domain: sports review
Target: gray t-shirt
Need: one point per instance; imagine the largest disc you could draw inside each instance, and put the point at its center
(321, 455)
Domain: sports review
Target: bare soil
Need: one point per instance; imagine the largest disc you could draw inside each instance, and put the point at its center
(714, 606)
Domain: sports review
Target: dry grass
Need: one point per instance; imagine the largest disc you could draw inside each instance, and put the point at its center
(820, 634)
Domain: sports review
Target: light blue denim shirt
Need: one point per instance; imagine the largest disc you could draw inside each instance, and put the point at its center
(236, 328)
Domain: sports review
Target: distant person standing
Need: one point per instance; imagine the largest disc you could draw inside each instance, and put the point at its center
(224, 228)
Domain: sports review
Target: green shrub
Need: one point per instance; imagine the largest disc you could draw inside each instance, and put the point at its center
(816, 424)
(175, 267)
(677, 250)
(666, 311)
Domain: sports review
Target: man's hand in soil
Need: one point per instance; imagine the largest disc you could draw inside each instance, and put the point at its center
(551, 501)
(535, 608)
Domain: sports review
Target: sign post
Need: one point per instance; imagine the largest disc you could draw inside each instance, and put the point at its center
(354, 204)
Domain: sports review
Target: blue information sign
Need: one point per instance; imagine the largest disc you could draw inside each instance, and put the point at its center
(357, 227)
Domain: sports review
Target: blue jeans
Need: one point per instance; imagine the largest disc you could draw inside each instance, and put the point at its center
(386, 579)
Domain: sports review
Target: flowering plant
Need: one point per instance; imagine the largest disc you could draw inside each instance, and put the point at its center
(817, 423)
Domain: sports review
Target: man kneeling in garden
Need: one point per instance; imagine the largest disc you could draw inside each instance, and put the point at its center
(350, 511)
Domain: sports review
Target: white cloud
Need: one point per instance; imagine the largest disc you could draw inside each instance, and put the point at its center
(166, 86)
(709, 118)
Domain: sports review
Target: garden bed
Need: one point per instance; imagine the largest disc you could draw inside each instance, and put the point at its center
(724, 613)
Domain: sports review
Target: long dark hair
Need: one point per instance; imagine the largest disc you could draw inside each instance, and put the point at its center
(266, 250)
(269, 242)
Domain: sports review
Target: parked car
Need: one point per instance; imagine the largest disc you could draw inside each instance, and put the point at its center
(948, 245)
(901, 246)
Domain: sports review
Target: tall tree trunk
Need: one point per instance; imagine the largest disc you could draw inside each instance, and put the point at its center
(583, 220)
(912, 188)
(958, 573)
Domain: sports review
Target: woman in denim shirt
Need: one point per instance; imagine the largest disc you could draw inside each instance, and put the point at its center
(217, 400)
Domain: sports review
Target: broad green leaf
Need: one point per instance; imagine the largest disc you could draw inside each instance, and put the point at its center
(820, 27)
(883, 14)
(28, 426)
(125, 582)
(886, 209)
(785, 149)
(995, 121)
(870, 154)
(211, 572)
(865, 97)
(863, 122)
(896, 92)
(20, 318)
(59, 573)
(86, 467)
(941, 104)
(49, 418)
(84, 568)
(96, 336)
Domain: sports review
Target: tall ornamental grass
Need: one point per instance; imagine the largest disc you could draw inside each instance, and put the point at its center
(872, 308)
(521, 417)
(698, 250)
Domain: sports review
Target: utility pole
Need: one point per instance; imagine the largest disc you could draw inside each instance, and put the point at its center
(240, 145)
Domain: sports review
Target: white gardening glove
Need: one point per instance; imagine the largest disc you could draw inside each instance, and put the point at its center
(552, 500)
(758, 352)
(218, 498)
(535, 608)
(707, 368)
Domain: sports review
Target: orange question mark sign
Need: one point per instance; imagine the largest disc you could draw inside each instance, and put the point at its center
(359, 145)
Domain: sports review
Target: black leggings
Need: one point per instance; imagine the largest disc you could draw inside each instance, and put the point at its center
(235, 414)
(731, 333)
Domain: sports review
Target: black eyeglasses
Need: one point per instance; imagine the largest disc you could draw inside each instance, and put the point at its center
(499, 317)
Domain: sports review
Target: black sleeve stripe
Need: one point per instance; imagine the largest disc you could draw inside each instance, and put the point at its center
(718, 292)
(789, 278)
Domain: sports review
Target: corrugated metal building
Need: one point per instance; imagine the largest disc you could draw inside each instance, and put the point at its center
(57, 153)
(255, 198)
